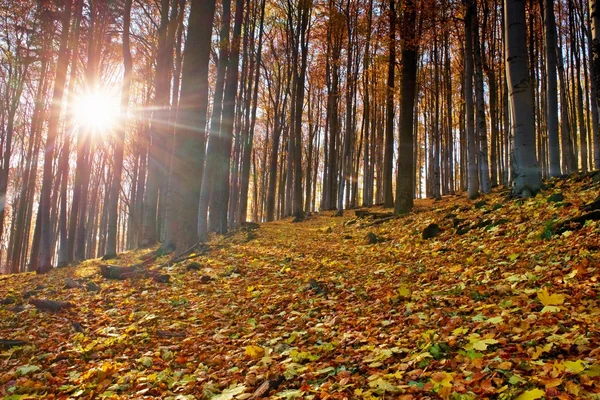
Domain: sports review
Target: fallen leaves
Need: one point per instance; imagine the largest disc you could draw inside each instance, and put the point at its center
(312, 310)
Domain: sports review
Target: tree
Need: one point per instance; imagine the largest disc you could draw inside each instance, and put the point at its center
(46, 250)
(405, 175)
(190, 135)
(551, 87)
(472, 172)
(389, 108)
(527, 173)
(595, 54)
(111, 242)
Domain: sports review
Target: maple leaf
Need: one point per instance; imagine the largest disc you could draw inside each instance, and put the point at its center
(381, 386)
(574, 367)
(550, 300)
(230, 392)
(477, 343)
(532, 394)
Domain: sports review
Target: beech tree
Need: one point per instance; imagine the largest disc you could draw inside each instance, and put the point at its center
(528, 177)
(232, 112)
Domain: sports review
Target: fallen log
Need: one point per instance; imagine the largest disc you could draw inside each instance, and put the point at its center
(576, 223)
(8, 343)
(51, 305)
(117, 272)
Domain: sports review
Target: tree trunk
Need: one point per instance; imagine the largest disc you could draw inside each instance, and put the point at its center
(527, 179)
(217, 168)
(190, 134)
(389, 127)
(405, 175)
(113, 213)
(472, 176)
(46, 252)
(482, 142)
(551, 88)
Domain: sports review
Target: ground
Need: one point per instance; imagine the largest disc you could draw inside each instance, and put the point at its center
(502, 304)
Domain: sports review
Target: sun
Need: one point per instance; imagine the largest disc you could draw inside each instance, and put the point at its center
(97, 111)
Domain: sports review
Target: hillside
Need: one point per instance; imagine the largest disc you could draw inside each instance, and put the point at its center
(503, 303)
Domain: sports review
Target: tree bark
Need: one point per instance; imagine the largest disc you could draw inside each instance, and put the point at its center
(528, 178)
(472, 175)
(551, 88)
(405, 175)
(113, 213)
(389, 126)
(46, 252)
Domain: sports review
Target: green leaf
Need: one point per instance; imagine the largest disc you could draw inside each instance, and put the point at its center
(146, 361)
(27, 369)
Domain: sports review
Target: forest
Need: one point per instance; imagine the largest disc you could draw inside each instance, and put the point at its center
(131, 123)
(321, 199)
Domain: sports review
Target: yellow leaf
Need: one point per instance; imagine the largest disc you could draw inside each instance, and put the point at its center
(250, 289)
(552, 382)
(532, 394)
(495, 320)
(404, 291)
(255, 351)
(548, 299)
(442, 379)
(506, 365)
(572, 388)
(539, 350)
(460, 331)
(482, 344)
(574, 367)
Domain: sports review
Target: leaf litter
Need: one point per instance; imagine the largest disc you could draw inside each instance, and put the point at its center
(497, 305)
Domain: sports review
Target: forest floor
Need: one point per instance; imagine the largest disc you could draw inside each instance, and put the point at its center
(503, 303)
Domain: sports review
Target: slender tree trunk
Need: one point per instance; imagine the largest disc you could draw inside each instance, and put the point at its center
(482, 142)
(46, 252)
(389, 127)
(594, 50)
(472, 175)
(217, 168)
(113, 206)
(551, 88)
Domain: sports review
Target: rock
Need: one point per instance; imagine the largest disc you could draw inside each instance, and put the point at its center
(556, 198)
(372, 238)
(193, 266)
(314, 285)
(8, 300)
(92, 287)
(480, 204)
(431, 231)
(72, 284)
(161, 278)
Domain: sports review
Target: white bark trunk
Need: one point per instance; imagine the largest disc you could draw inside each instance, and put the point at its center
(527, 173)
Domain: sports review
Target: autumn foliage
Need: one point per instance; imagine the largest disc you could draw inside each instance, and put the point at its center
(499, 304)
